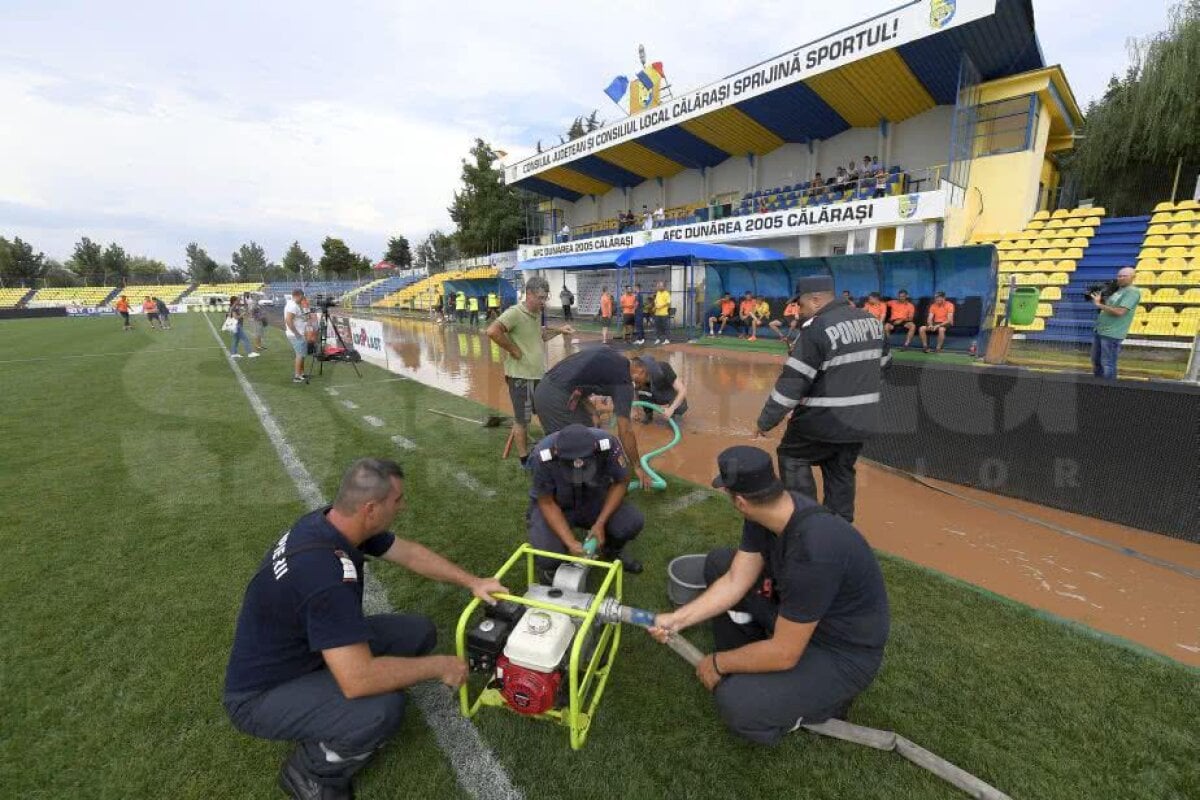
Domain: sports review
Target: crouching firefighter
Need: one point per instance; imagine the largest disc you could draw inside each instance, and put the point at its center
(799, 611)
(307, 665)
(580, 479)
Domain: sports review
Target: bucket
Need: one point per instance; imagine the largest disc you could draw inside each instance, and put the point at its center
(685, 578)
(1022, 305)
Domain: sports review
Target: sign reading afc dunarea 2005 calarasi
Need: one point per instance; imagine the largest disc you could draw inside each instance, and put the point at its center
(889, 30)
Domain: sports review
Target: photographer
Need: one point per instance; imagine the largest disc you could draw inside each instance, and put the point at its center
(295, 326)
(1117, 305)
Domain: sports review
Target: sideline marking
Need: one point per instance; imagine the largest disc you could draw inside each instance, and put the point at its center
(350, 404)
(688, 500)
(374, 422)
(479, 772)
(403, 442)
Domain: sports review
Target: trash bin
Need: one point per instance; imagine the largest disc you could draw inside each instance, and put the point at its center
(1022, 304)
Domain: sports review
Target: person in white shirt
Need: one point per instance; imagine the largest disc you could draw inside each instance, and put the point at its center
(564, 235)
(295, 325)
(659, 214)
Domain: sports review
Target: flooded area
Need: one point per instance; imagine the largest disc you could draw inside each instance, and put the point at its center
(971, 537)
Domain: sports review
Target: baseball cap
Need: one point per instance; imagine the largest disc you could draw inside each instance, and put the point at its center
(814, 283)
(745, 470)
(576, 448)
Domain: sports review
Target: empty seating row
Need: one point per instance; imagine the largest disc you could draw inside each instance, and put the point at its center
(1065, 265)
(1053, 253)
(1168, 278)
(73, 296)
(168, 293)
(1065, 213)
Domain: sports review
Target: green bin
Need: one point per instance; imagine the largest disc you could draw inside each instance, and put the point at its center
(1022, 305)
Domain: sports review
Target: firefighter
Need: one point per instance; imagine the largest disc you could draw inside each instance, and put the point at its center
(493, 306)
(580, 479)
(831, 386)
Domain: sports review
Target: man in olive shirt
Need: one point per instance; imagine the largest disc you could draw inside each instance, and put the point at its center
(1112, 326)
(519, 333)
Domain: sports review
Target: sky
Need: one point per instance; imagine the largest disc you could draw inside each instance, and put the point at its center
(154, 124)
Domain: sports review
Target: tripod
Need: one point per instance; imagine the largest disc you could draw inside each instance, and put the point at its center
(333, 354)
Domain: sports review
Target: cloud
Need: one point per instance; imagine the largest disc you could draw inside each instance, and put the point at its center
(157, 124)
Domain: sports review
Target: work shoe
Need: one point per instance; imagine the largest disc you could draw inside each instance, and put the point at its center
(628, 563)
(239, 355)
(255, 355)
(298, 379)
(302, 786)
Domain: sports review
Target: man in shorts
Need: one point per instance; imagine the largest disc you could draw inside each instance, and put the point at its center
(628, 313)
(151, 309)
(520, 334)
(295, 326)
(725, 309)
(941, 317)
(901, 314)
(606, 314)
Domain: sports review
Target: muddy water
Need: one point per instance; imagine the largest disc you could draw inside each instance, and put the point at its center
(1106, 590)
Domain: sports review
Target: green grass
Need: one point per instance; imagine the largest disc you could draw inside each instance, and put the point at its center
(140, 492)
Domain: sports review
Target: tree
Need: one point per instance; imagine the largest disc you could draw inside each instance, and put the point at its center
(435, 251)
(146, 269)
(398, 253)
(250, 262)
(337, 258)
(297, 263)
(200, 266)
(116, 263)
(221, 274)
(1134, 137)
(174, 275)
(58, 276)
(19, 264)
(87, 260)
(486, 210)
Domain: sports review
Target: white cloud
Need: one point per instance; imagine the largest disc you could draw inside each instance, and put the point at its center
(155, 124)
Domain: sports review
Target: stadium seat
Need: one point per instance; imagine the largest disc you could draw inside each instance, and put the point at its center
(1041, 215)
(1052, 293)
(1191, 278)
(1167, 295)
(1171, 278)
(1188, 205)
(1061, 213)
(1166, 205)
(1141, 278)
(1187, 326)
(1038, 324)
(1058, 278)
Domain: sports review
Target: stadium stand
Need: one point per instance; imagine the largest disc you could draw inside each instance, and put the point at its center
(170, 293)
(1168, 272)
(76, 296)
(421, 294)
(11, 298)
(281, 289)
(375, 291)
(227, 288)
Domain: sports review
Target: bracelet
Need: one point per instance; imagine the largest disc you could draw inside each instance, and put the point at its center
(716, 668)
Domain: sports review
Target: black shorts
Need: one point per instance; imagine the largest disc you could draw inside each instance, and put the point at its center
(520, 392)
(605, 322)
(152, 316)
(124, 315)
(628, 320)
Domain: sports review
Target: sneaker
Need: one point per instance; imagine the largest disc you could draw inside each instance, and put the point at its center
(300, 785)
(666, 341)
(752, 339)
(255, 355)
(298, 379)
(239, 355)
(639, 341)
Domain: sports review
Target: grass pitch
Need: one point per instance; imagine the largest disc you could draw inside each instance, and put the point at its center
(140, 492)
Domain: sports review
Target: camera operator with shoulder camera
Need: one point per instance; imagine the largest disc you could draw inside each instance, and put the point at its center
(1117, 303)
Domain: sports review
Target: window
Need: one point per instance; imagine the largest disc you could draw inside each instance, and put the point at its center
(1005, 126)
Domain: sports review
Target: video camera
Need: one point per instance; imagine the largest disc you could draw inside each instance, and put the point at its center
(1103, 289)
(324, 301)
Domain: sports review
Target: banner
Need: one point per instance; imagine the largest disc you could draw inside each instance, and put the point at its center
(886, 211)
(366, 336)
(617, 241)
(887, 31)
(90, 311)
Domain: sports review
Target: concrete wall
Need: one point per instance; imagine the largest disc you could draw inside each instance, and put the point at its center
(923, 141)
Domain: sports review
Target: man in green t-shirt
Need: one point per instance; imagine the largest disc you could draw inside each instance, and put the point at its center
(1116, 315)
(519, 333)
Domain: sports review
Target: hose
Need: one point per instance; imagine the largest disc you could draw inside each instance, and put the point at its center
(656, 481)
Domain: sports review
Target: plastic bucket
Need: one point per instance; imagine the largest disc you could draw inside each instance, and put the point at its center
(685, 578)
(1022, 304)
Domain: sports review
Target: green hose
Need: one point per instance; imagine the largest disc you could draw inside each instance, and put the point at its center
(656, 480)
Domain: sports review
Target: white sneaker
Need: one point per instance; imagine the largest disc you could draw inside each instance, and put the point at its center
(235, 355)
(639, 341)
(666, 341)
(254, 355)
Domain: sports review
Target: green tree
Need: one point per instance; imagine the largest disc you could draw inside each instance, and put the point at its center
(19, 264)
(435, 251)
(221, 274)
(250, 262)
(398, 253)
(116, 263)
(337, 258)
(297, 263)
(58, 276)
(148, 270)
(1135, 136)
(87, 260)
(486, 210)
(200, 266)
(174, 275)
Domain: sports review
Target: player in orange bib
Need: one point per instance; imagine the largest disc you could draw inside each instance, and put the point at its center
(901, 314)
(941, 317)
(606, 313)
(724, 314)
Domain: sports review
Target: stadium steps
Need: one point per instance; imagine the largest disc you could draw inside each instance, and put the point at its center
(375, 291)
(1115, 245)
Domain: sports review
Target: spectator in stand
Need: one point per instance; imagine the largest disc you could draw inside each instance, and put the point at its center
(901, 314)
(725, 308)
(746, 309)
(791, 318)
(150, 309)
(875, 306)
(848, 298)
(881, 182)
(473, 310)
(164, 313)
(662, 313)
(237, 311)
(817, 183)
(1112, 325)
(606, 314)
(941, 317)
(762, 205)
(840, 180)
(660, 216)
(628, 313)
(295, 326)
(564, 234)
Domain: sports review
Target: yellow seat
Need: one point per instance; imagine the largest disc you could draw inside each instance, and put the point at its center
(1052, 293)
(1155, 240)
(1009, 266)
(1162, 218)
(1058, 278)
(1158, 229)
(1151, 252)
(1035, 279)
(1093, 222)
(1009, 255)
(1055, 224)
(1035, 224)
(1038, 324)
(1045, 266)
(1023, 244)
(1166, 205)
(1086, 233)
(1075, 253)
(1061, 213)
(1041, 216)
(1171, 278)
(1192, 278)
(1167, 295)
(1078, 241)
(1187, 326)
(1191, 296)
(1141, 278)
(1179, 239)
(1065, 265)
(1182, 223)
(1044, 310)
(1066, 231)
(1054, 252)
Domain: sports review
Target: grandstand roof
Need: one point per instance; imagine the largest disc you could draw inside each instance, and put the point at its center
(891, 84)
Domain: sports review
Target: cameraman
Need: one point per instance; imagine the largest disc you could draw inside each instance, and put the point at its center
(1112, 326)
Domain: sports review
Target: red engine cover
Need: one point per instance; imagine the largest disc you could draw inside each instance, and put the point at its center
(525, 690)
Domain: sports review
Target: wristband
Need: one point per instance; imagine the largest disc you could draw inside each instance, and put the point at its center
(716, 668)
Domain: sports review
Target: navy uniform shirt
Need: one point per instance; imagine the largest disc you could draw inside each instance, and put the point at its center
(296, 606)
(596, 370)
(823, 569)
(558, 478)
(661, 388)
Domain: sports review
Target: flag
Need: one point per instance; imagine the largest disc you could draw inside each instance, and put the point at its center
(645, 80)
(616, 90)
(658, 67)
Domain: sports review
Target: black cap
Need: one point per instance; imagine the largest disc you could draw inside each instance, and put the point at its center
(939, 294)
(575, 441)
(745, 470)
(814, 283)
